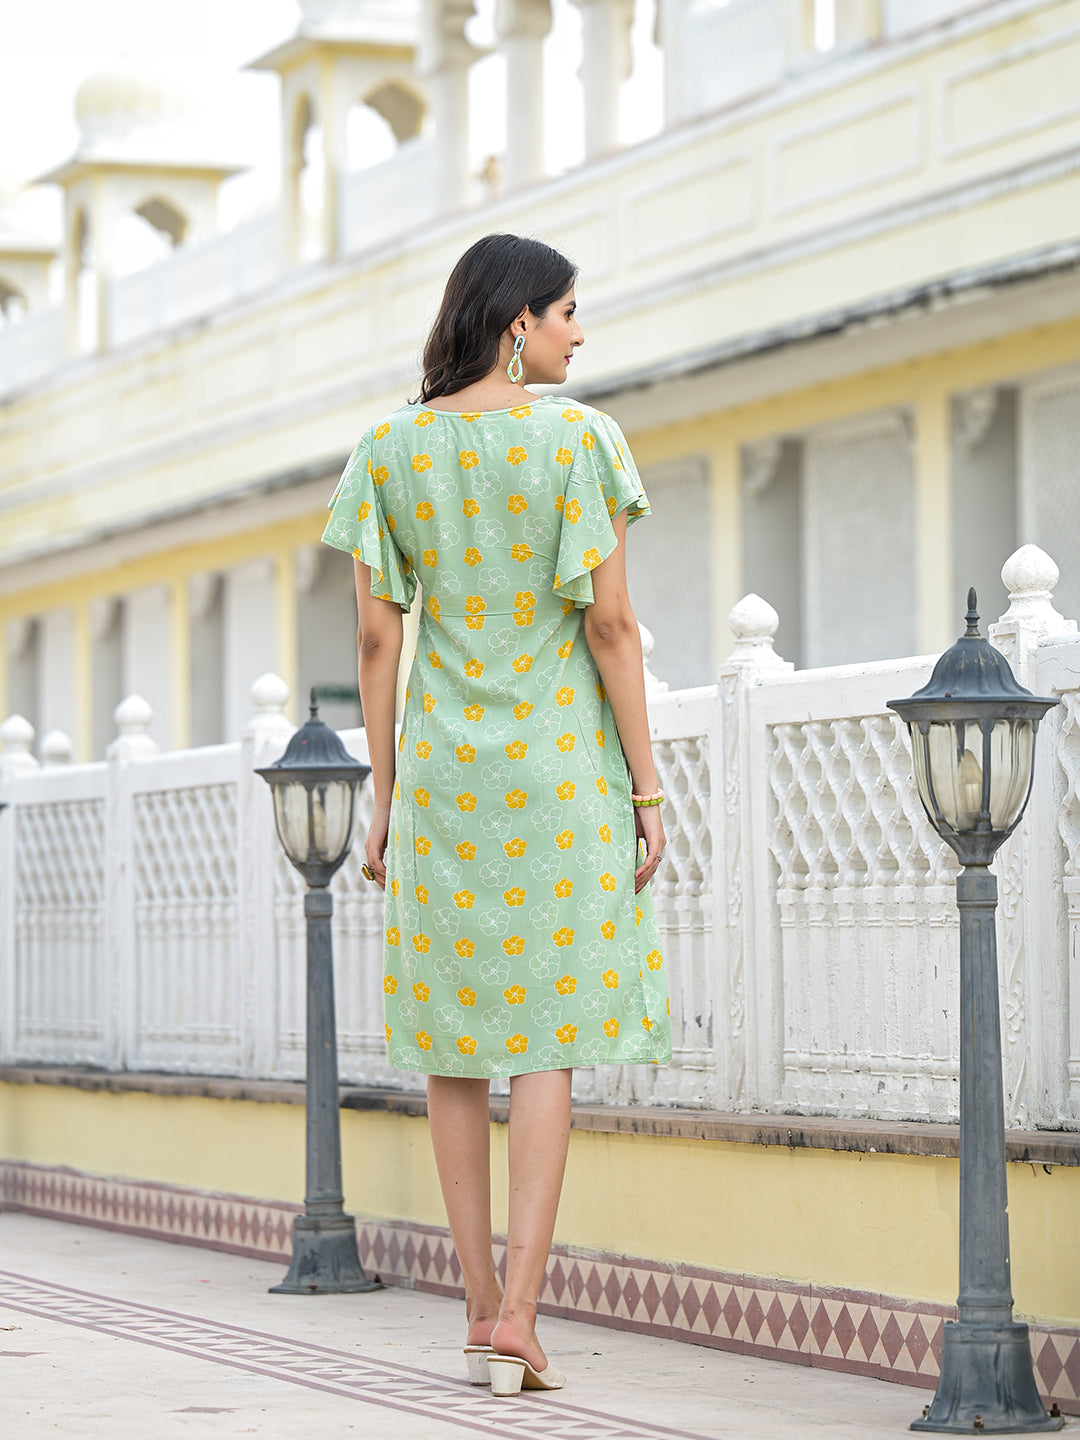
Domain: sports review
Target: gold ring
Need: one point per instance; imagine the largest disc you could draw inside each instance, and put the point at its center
(367, 872)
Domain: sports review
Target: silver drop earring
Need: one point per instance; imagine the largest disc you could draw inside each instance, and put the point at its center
(515, 369)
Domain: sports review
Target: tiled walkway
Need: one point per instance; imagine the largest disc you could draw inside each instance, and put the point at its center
(102, 1334)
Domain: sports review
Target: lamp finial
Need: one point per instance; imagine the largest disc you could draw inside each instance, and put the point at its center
(314, 703)
(972, 617)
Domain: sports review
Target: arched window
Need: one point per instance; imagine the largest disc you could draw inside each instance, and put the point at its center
(307, 176)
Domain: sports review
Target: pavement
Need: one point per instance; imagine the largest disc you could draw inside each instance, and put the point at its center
(111, 1335)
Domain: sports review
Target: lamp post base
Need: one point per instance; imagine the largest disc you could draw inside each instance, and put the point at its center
(987, 1384)
(325, 1260)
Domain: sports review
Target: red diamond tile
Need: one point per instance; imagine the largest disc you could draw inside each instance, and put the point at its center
(651, 1297)
(671, 1300)
(868, 1333)
(892, 1339)
(776, 1319)
(1049, 1364)
(917, 1343)
(594, 1286)
(631, 1293)
(408, 1254)
(423, 1256)
(844, 1330)
(557, 1280)
(821, 1327)
(612, 1291)
(691, 1304)
(798, 1323)
(710, 1307)
(754, 1316)
(1072, 1367)
(575, 1283)
(732, 1311)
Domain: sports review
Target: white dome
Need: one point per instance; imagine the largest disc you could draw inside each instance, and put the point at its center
(124, 96)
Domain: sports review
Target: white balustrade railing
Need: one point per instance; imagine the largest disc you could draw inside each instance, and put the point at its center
(149, 920)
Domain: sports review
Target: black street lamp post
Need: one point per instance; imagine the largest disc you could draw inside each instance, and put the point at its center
(314, 785)
(972, 733)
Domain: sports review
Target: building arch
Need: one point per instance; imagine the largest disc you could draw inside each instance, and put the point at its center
(13, 301)
(167, 218)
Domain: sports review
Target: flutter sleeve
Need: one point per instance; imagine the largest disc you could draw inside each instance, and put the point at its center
(602, 481)
(358, 524)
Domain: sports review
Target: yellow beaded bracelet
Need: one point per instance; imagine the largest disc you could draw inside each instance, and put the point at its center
(638, 801)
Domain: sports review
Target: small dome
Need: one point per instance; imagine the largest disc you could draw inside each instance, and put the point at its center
(124, 96)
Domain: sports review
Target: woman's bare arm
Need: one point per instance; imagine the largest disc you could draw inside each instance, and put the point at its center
(378, 640)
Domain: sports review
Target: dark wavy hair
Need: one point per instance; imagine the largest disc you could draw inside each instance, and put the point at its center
(491, 284)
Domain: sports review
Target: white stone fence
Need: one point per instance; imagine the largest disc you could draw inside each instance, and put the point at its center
(149, 920)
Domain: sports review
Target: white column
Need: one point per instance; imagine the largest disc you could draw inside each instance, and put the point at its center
(248, 637)
(445, 57)
(146, 649)
(606, 64)
(57, 707)
(521, 26)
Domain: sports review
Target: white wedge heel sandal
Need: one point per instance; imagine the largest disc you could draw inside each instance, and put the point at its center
(510, 1375)
(476, 1361)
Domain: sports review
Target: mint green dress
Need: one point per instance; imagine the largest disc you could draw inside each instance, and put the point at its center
(514, 939)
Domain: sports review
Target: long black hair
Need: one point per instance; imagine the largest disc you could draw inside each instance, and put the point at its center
(488, 287)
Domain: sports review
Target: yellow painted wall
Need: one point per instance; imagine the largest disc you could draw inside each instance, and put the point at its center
(879, 1223)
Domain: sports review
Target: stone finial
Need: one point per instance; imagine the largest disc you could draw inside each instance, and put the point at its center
(57, 749)
(133, 718)
(1030, 575)
(653, 685)
(269, 696)
(754, 622)
(17, 736)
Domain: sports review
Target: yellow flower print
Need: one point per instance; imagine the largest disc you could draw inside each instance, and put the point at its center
(364, 510)
(616, 463)
(517, 1044)
(422, 845)
(420, 463)
(425, 510)
(566, 790)
(423, 1039)
(389, 1032)
(467, 1045)
(566, 1034)
(421, 893)
(564, 839)
(429, 703)
(566, 984)
(466, 850)
(474, 669)
(516, 750)
(401, 744)
(421, 943)
(654, 959)
(434, 608)
(522, 709)
(473, 712)
(588, 440)
(521, 551)
(466, 996)
(465, 753)
(472, 415)
(514, 995)
(421, 992)
(521, 412)
(523, 618)
(382, 431)
(395, 886)
(516, 455)
(464, 948)
(468, 459)
(564, 695)
(564, 888)
(601, 784)
(389, 984)
(523, 664)
(473, 556)
(517, 504)
(524, 600)
(591, 558)
(425, 417)
(514, 896)
(611, 979)
(573, 415)
(601, 693)
(430, 558)
(560, 502)
(391, 525)
(514, 945)
(572, 511)
(436, 659)
(475, 605)
(612, 505)
(564, 456)
(464, 899)
(566, 741)
(474, 622)
(515, 848)
(466, 801)
(607, 929)
(563, 651)
(639, 915)
(607, 881)
(470, 507)
(380, 474)
(369, 466)
(646, 1022)
(422, 797)
(397, 789)
(568, 607)
(611, 1028)
(516, 799)
(601, 739)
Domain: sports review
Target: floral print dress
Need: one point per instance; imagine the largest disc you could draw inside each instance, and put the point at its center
(514, 939)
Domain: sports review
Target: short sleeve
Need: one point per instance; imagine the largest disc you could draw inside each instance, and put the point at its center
(602, 481)
(358, 524)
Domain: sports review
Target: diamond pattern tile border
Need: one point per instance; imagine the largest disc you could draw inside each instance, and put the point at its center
(854, 1331)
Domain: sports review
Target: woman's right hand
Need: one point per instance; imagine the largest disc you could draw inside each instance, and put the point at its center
(375, 845)
(648, 827)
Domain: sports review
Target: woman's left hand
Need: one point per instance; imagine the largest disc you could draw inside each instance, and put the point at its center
(648, 827)
(375, 846)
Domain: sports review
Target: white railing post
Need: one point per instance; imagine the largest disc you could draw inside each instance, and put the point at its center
(16, 758)
(264, 739)
(57, 749)
(1034, 934)
(133, 718)
(749, 988)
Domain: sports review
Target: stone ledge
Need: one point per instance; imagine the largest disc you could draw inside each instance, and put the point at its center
(793, 1132)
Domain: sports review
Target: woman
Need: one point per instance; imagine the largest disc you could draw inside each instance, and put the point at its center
(518, 822)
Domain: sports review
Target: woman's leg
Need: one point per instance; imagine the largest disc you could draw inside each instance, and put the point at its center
(460, 1138)
(539, 1135)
